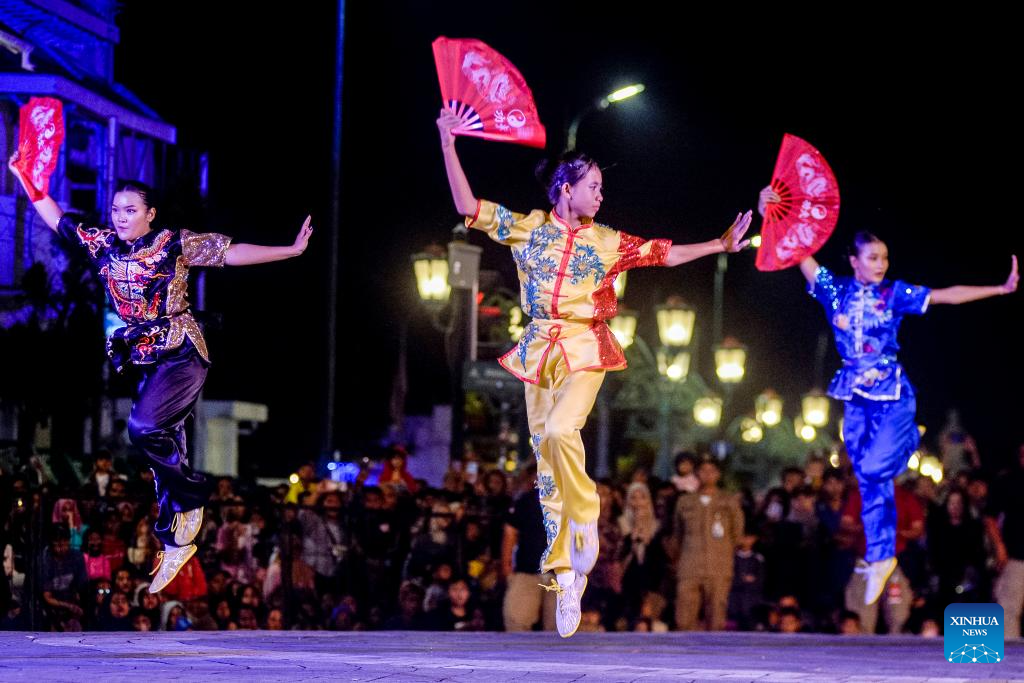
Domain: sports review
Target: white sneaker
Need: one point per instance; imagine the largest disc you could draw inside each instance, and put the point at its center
(169, 562)
(186, 525)
(584, 546)
(568, 613)
(876, 575)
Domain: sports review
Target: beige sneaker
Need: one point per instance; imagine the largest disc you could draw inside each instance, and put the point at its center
(169, 562)
(568, 613)
(585, 544)
(877, 575)
(186, 525)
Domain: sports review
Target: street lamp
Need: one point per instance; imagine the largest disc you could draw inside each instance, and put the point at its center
(674, 364)
(707, 411)
(814, 409)
(675, 329)
(623, 326)
(730, 361)
(768, 408)
(675, 323)
(515, 323)
(436, 276)
(431, 269)
(622, 94)
(751, 430)
(803, 430)
(601, 104)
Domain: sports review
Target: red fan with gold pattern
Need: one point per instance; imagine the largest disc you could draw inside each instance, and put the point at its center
(487, 92)
(802, 221)
(39, 139)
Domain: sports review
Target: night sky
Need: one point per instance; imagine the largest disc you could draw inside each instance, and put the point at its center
(913, 118)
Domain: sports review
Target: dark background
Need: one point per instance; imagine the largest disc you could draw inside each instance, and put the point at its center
(914, 116)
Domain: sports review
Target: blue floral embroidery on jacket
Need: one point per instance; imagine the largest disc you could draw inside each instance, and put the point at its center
(524, 343)
(539, 240)
(548, 233)
(544, 269)
(505, 220)
(585, 262)
(522, 258)
(532, 293)
(536, 267)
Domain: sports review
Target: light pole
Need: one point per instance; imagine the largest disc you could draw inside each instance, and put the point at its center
(730, 367)
(600, 105)
(675, 329)
(436, 277)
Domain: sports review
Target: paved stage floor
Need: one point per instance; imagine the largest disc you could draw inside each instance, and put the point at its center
(533, 657)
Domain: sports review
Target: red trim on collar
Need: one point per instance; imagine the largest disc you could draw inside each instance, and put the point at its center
(565, 224)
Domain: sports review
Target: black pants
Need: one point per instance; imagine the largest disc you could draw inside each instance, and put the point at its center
(167, 393)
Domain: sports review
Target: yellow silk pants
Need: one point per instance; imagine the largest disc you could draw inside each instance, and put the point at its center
(557, 408)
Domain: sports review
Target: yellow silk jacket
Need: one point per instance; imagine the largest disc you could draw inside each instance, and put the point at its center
(567, 277)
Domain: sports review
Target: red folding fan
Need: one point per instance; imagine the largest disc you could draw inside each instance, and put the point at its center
(42, 132)
(487, 92)
(799, 224)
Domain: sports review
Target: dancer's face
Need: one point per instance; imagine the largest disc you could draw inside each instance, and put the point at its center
(130, 217)
(585, 196)
(871, 263)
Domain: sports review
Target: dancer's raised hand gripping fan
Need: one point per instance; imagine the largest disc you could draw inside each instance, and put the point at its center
(487, 92)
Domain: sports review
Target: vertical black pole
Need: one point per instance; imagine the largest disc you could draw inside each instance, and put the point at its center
(332, 280)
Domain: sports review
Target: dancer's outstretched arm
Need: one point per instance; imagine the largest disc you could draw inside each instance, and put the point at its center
(961, 294)
(809, 266)
(465, 200)
(731, 242)
(45, 207)
(242, 254)
(237, 255)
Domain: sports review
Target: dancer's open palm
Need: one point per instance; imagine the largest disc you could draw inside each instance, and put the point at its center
(302, 239)
(732, 240)
(1011, 282)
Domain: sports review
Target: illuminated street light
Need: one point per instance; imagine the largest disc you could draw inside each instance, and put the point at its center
(431, 269)
(768, 408)
(623, 326)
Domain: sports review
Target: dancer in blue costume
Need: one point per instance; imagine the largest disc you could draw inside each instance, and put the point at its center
(879, 428)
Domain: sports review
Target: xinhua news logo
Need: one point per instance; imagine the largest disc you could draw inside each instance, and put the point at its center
(973, 633)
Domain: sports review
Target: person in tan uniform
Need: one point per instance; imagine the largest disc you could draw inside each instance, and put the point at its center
(708, 528)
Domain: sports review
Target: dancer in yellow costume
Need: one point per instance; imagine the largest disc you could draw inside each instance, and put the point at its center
(567, 268)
